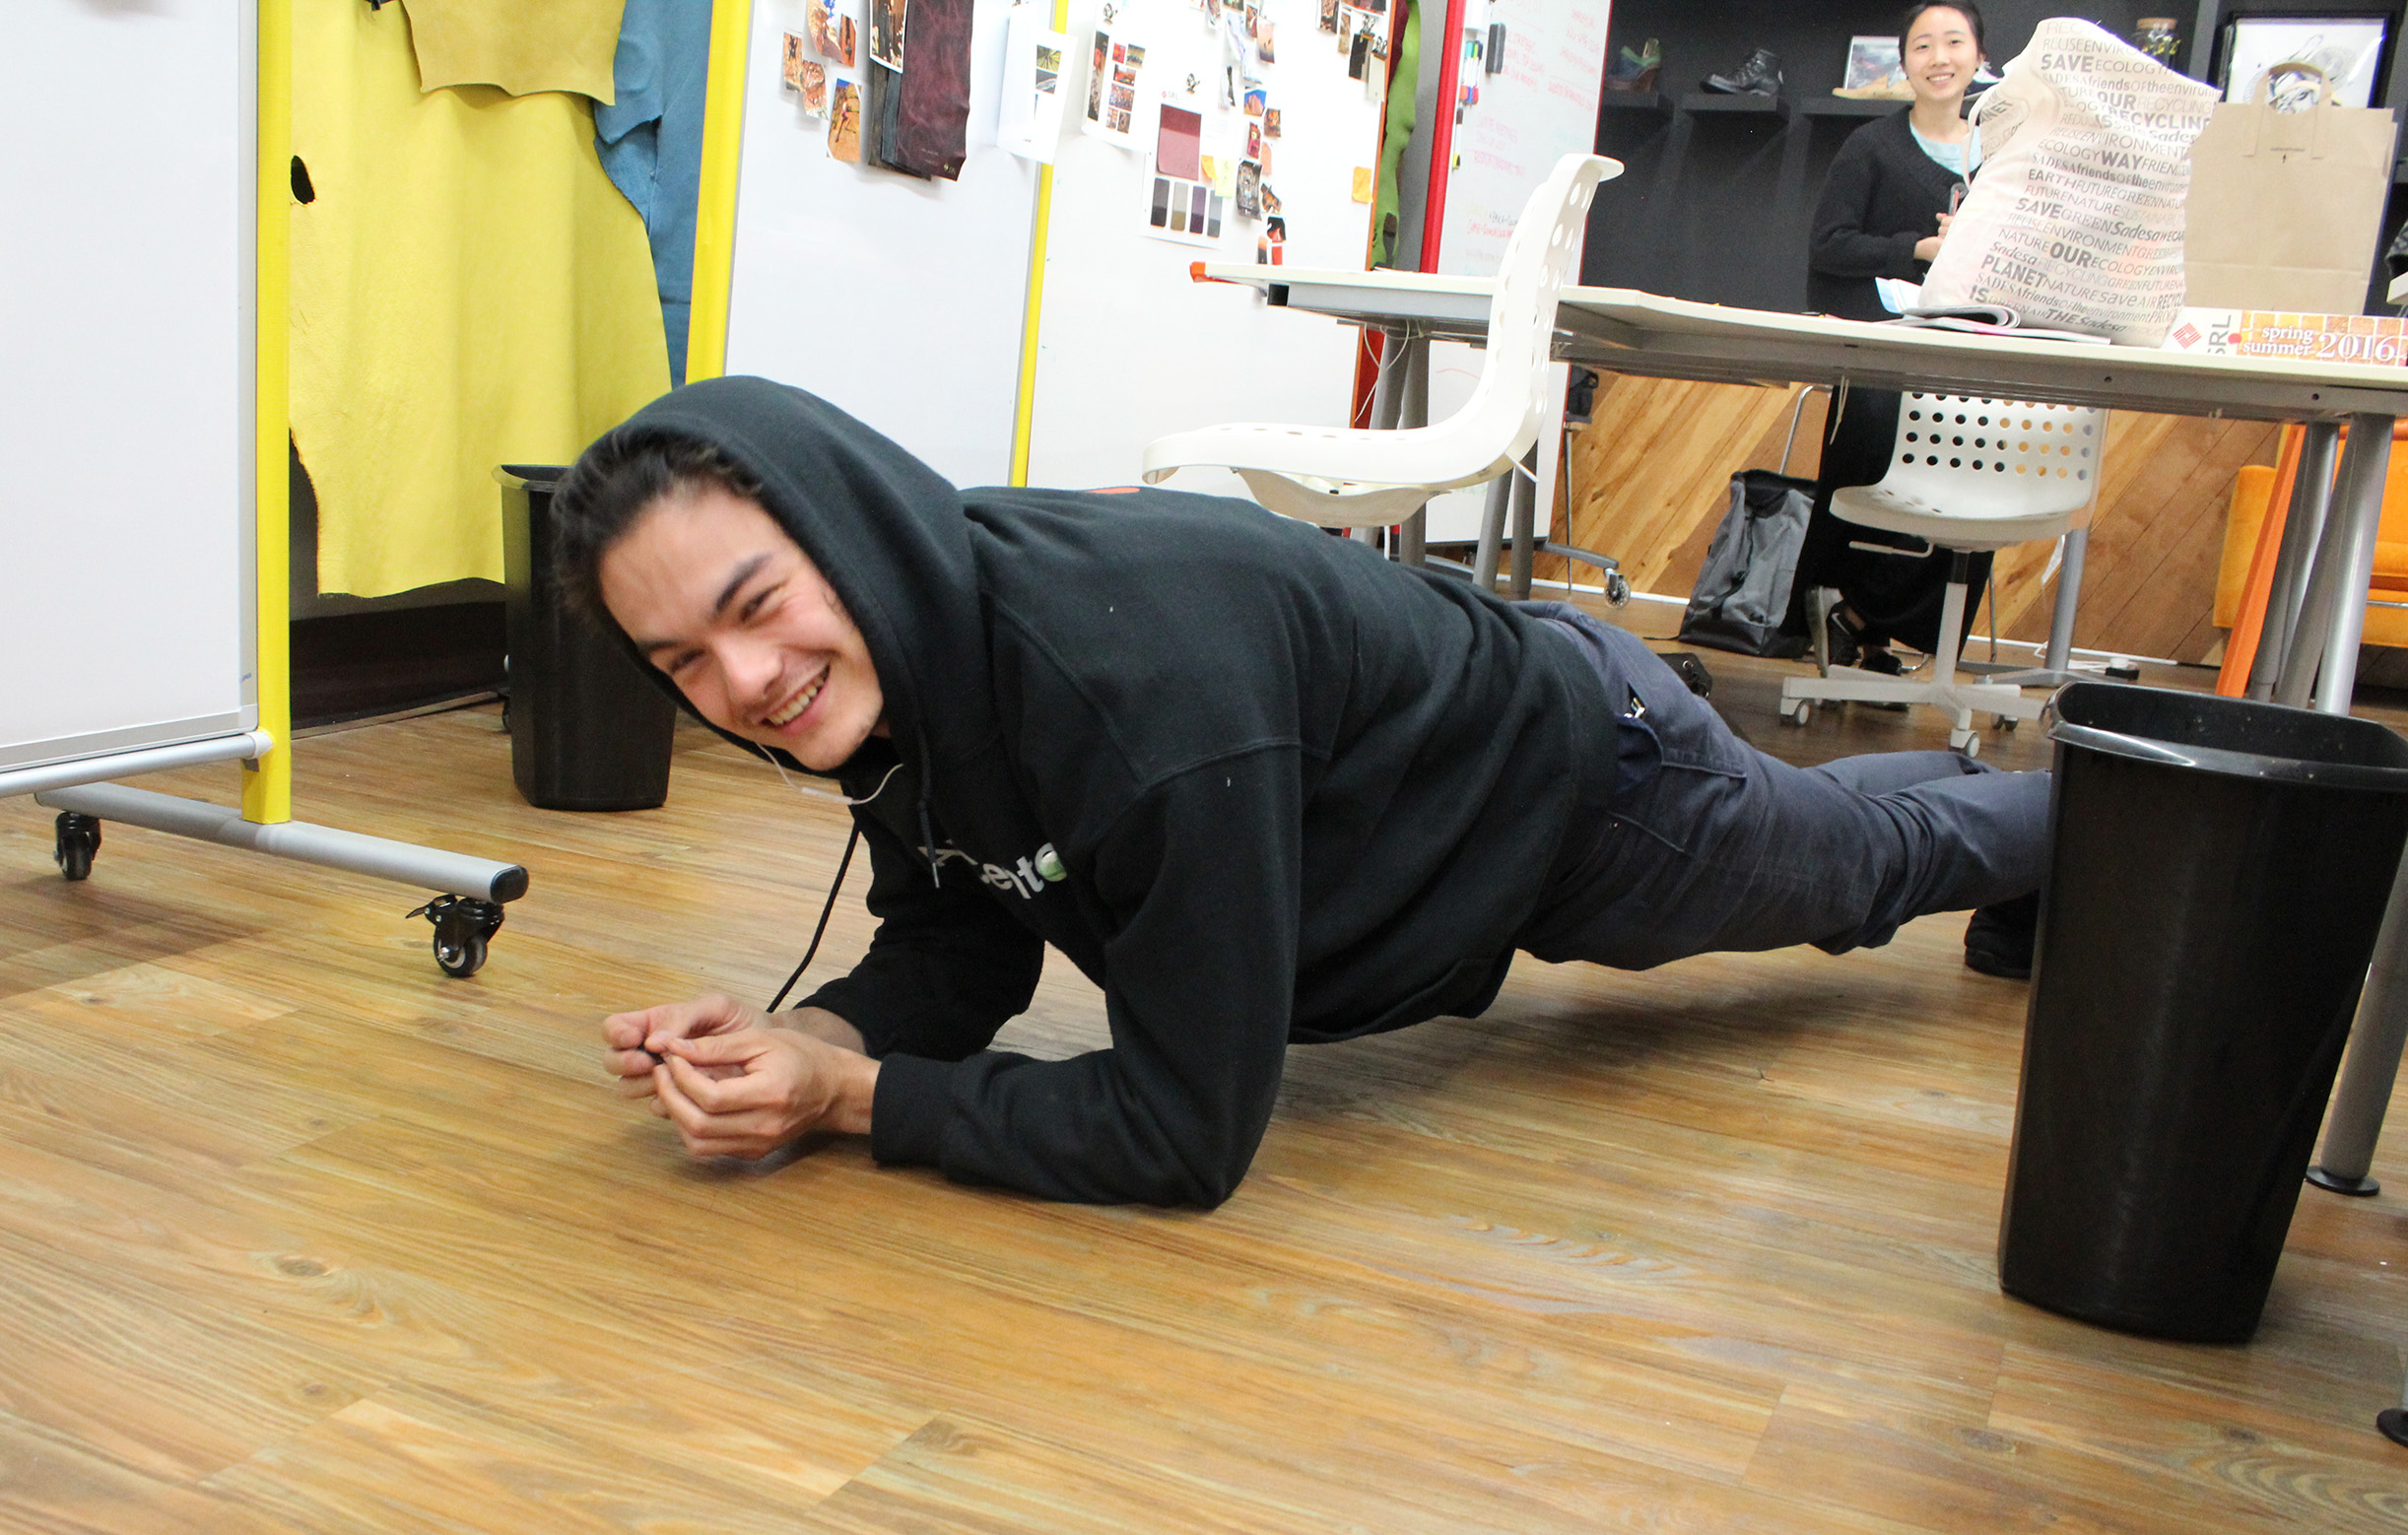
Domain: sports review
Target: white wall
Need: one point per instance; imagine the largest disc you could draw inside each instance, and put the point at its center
(898, 300)
(1130, 349)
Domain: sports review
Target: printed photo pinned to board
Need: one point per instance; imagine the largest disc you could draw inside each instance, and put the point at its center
(1250, 190)
(790, 60)
(886, 33)
(1271, 246)
(1270, 122)
(815, 87)
(1031, 122)
(1262, 43)
(845, 119)
(1182, 205)
(833, 33)
(1329, 14)
(1114, 85)
(1362, 183)
(1256, 101)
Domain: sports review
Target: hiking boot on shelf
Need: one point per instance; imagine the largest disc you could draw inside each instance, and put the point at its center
(1761, 75)
(1636, 71)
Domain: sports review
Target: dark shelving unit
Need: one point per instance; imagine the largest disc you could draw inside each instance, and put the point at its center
(1709, 104)
(1652, 103)
(1846, 107)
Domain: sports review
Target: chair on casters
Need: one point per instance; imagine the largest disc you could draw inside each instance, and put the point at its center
(1351, 477)
(1965, 475)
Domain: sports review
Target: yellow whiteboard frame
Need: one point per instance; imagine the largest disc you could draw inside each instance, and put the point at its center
(267, 782)
(714, 213)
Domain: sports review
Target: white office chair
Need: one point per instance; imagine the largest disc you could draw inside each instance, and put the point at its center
(1349, 477)
(1965, 475)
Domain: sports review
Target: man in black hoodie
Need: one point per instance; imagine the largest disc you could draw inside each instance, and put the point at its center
(1260, 785)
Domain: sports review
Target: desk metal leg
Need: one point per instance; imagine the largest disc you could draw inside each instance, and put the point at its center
(2322, 658)
(2335, 615)
(2356, 1115)
(2312, 496)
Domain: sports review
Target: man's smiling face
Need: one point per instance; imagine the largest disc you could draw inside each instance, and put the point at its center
(717, 596)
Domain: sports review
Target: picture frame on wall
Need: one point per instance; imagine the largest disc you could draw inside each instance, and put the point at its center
(2348, 48)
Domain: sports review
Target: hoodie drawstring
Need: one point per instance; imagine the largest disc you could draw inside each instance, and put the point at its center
(927, 830)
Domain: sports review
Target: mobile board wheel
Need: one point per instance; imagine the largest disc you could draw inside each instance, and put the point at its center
(463, 926)
(1798, 711)
(459, 949)
(1618, 589)
(1967, 742)
(78, 841)
(2008, 722)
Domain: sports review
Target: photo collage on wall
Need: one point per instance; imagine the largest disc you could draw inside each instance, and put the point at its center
(902, 107)
(1185, 206)
(1029, 121)
(1115, 79)
(815, 64)
(1216, 129)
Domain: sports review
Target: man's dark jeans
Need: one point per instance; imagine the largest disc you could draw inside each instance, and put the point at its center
(1717, 847)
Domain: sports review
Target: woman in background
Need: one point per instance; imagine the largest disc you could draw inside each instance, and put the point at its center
(1885, 208)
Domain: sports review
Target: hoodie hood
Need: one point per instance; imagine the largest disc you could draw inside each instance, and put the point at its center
(889, 534)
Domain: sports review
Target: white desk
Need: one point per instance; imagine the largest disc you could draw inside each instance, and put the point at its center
(2314, 619)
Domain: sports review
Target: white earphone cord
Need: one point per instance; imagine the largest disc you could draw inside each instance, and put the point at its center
(838, 798)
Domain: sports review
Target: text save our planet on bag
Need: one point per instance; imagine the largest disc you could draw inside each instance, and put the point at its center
(2075, 221)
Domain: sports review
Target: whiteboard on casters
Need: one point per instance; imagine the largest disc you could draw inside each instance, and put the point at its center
(1129, 348)
(126, 288)
(897, 300)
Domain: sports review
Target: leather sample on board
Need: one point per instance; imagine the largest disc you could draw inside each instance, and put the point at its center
(524, 47)
(932, 116)
(468, 290)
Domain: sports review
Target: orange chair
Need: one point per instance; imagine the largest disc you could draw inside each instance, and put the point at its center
(2250, 546)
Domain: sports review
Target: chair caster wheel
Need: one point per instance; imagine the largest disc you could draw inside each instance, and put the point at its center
(463, 925)
(1797, 712)
(1967, 742)
(2008, 722)
(76, 840)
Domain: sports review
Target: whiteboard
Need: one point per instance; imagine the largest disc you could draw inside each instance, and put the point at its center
(1129, 348)
(1540, 106)
(126, 302)
(897, 300)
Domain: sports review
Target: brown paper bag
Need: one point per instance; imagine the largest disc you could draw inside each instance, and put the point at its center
(2286, 208)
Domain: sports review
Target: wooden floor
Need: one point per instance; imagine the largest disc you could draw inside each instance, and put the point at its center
(296, 1235)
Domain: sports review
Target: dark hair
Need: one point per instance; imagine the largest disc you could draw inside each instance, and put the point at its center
(612, 483)
(1965, 8)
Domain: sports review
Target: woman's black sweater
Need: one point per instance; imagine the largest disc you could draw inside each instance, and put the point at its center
(1882, 195)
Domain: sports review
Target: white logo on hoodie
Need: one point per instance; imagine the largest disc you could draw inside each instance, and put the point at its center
(1026, 878)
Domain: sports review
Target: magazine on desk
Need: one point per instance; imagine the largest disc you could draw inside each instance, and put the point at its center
(1987, 319)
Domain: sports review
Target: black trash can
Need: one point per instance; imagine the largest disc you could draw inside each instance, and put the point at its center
(2218, 872)
(588, 730)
